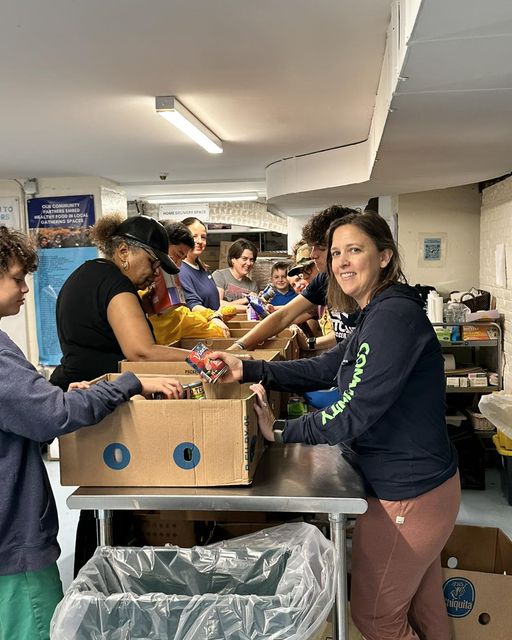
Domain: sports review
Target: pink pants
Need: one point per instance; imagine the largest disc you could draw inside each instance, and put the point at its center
(396, 591)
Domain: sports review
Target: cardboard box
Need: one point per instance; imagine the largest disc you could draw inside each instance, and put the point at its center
(183, 368)
(157, 529)
(287, 346)
(242, 324)
(477, 591)
(168, 443)
(476, 332)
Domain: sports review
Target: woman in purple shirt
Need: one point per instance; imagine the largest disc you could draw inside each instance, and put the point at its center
(197, 282)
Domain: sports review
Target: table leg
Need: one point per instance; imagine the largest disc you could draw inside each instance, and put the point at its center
(103, 527)
(338, 526)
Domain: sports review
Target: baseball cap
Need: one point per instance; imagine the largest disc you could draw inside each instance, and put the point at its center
(152, 234)
(302, 260)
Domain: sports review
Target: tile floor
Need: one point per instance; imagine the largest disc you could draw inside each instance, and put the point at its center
(486, 508)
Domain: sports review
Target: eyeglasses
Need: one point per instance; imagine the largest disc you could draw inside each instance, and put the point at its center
(155, 262)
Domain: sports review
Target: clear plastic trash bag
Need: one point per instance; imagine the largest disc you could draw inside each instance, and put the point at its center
(275, 584)
(497, 408)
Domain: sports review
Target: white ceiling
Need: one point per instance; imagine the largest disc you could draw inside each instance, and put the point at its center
(272, 78)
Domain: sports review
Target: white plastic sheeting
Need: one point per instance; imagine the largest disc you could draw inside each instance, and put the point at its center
(275, 584)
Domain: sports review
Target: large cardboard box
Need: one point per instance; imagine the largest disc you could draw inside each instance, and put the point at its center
(175, 369)
(168, 443)
(478, 589)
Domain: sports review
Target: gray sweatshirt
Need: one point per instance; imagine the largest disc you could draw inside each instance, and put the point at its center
(34, 411)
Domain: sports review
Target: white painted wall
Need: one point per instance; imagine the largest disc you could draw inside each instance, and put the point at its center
(496, 228)
(16, 327)
(453, 213)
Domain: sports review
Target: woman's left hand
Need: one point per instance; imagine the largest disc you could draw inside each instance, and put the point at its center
(265, 415)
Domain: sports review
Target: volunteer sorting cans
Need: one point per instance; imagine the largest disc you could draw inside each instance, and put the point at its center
(389, 423)
(33, 412)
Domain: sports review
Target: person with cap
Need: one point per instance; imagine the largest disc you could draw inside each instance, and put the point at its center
(100, 318)
(33, 412)
(303, 263)
(314, 234)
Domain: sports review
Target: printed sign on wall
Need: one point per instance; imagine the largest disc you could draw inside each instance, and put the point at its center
(178, 212)
(61, 228)
(10, 213)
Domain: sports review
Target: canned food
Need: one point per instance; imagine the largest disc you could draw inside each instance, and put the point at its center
(296, 408)
(158, 395)
(195, 390)
(267, 294)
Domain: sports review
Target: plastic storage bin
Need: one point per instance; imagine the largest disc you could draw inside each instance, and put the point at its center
(278, 584)
(506, 467)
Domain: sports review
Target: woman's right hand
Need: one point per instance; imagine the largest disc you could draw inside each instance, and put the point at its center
(235, 370)
(170, 388)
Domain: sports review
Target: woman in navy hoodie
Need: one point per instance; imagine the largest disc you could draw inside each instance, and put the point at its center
(34, 411)
(389, 423)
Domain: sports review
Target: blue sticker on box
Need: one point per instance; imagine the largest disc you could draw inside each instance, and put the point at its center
(459, 596)
(116, 456)
(186, 455)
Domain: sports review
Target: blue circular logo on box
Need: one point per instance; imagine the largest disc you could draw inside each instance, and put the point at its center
(459, 596)
(116, 456)
(186, 455)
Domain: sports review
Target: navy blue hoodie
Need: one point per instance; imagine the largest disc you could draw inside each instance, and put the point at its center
(390, 421)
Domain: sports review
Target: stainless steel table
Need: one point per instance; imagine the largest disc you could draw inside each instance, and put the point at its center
(289, 478)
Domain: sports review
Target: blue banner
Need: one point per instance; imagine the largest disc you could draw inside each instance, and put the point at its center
(61, 228)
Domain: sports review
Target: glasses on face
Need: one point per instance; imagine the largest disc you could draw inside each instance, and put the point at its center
(155, 262)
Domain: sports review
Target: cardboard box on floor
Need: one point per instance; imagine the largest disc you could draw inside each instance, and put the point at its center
(478, 592)
(168, 443)
(288, 347)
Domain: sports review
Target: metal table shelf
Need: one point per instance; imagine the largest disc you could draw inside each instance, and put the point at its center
(300, 478)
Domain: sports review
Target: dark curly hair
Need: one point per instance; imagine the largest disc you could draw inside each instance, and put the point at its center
(315, 229)
(16, 247)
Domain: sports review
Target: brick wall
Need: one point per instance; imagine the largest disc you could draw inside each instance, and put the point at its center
(496, 228)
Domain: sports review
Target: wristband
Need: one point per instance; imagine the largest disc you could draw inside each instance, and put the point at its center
(217, 316)
(278, 430)
(311, 343)
(240, 345)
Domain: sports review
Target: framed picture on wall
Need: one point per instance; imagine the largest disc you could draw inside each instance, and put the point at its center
(432, 249)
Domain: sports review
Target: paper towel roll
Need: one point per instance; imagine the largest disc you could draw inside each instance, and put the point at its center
(449, 362)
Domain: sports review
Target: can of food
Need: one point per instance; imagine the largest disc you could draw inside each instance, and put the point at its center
(296, 408)
(196, 391)
(268, 294)
(158, 395)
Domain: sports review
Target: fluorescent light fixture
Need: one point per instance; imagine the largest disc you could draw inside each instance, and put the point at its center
(191, 199)
(170, 108)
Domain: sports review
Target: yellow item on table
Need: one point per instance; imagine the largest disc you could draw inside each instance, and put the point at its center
(228, 311)
(181, 322)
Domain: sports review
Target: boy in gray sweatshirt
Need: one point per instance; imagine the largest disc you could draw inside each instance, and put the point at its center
(33, 411)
